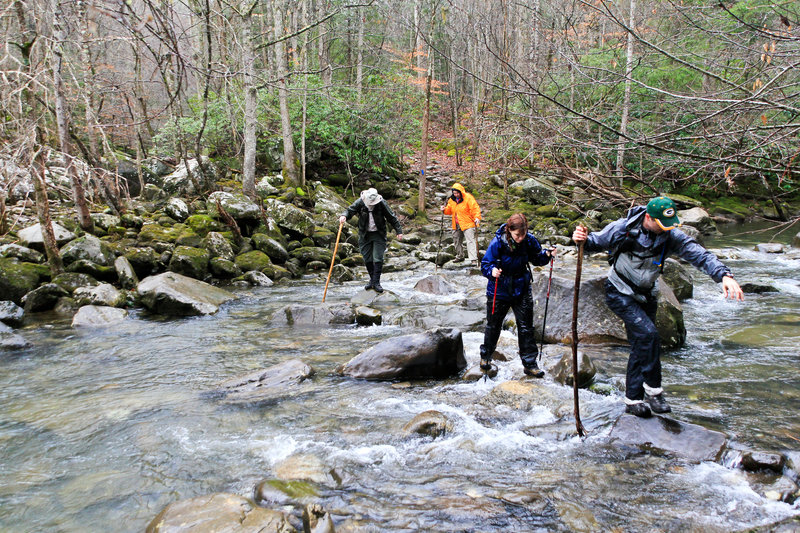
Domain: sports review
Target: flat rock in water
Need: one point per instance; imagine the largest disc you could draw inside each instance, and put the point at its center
(314, 315)
(218, 512)
(266, 384)
(690, 441)
(11, 313)
(173, 294)
(95, 316)
(434, 285)
(10, 340)
(432, 423)
(769, 248)
(438, 353)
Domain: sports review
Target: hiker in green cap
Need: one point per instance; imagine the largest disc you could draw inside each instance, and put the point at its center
(638, 245)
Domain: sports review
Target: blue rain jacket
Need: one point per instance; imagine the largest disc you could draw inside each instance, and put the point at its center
(513, 260)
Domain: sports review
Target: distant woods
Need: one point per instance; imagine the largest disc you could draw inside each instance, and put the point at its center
(640, 94)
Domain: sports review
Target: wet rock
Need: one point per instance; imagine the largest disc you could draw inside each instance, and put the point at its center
(192, 262)
(692, 442)
(43, 298)
(266, 384)
(434, 285)
(103, 295)
(678, 278)
(437, 353)
(307, 467)
(367, 316)
(10, 340)
(32, 236)
(755, 461)
(88, 248)
(173, 294)
(769, 248)
(177, 209)
(314, 315)
(22, 253)
(216, 513)
(218, 246)
(562, 370)
(257, 279)
(431, 423)
(475, 373)
(317, 520)
(267, 494)
(328, 203)
(524, 395)
(66, 306)
(341, 273)
(289, 217)
(11, 314)
(596, 323)
(125, 273)
(94, 316)
(441, 316)
(758, 288)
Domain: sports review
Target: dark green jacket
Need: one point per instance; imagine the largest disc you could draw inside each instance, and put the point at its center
(380, 213)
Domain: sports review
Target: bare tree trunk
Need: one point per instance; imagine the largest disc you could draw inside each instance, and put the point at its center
(626, 102)
(250, 104)
(289, 153)
(62, 119)
(360, 13)
(424, 151)
(324, 51)
(304, 67)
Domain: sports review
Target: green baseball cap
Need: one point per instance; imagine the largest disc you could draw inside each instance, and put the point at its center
(662, 210)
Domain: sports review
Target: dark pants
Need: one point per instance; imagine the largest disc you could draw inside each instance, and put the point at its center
(644, 363)
(523, 311)
(372, 245)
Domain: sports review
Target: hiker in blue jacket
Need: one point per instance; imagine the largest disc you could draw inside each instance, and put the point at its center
(505, 263)
(638, 245)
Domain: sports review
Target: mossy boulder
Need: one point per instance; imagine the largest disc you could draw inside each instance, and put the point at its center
(158, 233)
(224, 268)
(276, 252)
(307, 254)
(324, 237)
(191, 262)
(18, 278)
(69, 281)
(218, 246)
(237, 205)
(101, 272)
(202, 224)
(289, 217)
(255, 260)
(546, 211)
(27, 255)
(43, 298)
(88, 248)
(145, 260)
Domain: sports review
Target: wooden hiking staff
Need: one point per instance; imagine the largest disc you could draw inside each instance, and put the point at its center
(333, 260)
(578, 425)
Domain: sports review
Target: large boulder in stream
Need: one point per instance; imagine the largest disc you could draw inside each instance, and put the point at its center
(434, 285)
(266, 384)
(98, 316)
(690, 441)
(431, 423)
(437, 353)
(173, 294)
(597, 324)
(218, 512)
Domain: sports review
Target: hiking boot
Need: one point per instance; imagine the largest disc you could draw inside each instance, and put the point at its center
(371, 270)
(639, 409)
(533, 371)
(377, 286)
(376, 278)
(486, 365)
(368, 286)
(657, 403)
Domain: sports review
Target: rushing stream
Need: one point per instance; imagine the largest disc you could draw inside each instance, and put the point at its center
(100, 429)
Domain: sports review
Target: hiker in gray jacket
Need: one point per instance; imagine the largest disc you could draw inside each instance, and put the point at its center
(638, 245)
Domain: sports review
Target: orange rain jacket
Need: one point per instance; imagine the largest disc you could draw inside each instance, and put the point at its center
(466, 212)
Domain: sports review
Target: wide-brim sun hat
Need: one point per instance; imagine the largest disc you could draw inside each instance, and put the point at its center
(371, 197)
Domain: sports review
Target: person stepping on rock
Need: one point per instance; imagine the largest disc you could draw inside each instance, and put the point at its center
(373, 212)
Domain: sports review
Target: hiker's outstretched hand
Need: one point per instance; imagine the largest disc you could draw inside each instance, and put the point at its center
(731, 289)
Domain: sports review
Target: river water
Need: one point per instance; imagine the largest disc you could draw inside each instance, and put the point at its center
(100, 429)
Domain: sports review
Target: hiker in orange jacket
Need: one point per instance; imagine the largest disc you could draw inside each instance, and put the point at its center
(466, 217)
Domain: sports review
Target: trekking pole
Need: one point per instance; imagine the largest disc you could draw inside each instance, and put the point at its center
(497, 279)
(546, 303)
(333, 260)
(578, 425)
(439, 246)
